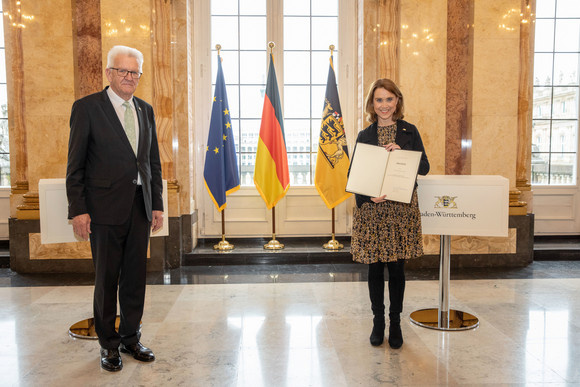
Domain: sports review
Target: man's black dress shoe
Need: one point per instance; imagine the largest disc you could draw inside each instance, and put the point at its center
(138, 351)
(111, 360)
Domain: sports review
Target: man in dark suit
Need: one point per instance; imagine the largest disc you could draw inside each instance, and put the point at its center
(114, 191)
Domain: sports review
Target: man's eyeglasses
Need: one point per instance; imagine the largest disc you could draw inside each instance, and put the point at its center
(123, 73)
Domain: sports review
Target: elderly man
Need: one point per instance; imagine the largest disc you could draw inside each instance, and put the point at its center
(114, 191)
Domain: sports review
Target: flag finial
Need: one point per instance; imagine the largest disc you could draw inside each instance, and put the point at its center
(271, 45)
(331, 48)
(218, 47)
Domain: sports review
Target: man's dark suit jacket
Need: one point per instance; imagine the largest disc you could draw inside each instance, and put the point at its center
(102, 168)
(407, 138)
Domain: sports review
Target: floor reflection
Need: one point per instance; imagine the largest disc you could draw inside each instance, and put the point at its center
(267, 331)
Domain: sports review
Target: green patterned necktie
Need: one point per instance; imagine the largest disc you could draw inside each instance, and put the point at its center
(130, 125)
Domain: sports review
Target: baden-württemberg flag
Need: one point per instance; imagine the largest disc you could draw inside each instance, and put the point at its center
(221, 167)
(332, 160)
(271, 175)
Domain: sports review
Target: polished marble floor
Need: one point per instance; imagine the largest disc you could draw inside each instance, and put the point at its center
(299, 325)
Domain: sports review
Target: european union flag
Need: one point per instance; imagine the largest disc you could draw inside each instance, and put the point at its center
(220, 172)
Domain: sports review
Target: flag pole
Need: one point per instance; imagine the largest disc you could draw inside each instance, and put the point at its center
(274, 244)
(332, 244)
(223, 245)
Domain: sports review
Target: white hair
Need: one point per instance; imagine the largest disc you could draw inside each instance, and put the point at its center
(124, 50)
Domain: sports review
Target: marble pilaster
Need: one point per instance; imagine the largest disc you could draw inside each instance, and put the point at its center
(162, 102)
(380, 35)
(525, 101)
(459, 87)
(16, 108)
(88, 66)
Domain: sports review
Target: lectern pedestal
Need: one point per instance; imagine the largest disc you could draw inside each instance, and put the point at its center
(443, 318)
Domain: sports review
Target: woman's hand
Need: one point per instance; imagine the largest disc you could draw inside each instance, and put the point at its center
(380, 199)
(392, 146)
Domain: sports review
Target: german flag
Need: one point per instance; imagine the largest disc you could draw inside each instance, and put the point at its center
(271, 175)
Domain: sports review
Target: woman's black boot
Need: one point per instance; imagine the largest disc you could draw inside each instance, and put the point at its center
(378, 333)
(395, 334)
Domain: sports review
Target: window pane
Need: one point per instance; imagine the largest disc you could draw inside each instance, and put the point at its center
(296, 33)
(253, 67)
(325, 7)
(299, 168)
(543, 69)
(229, 66)
(224, 31)
(1, 30)
(324, 32)
(250, 132)
(563, 169)
(3, 101)
(251, 101)
(252, 7)
(566, 69)
(544, 35)
(320, 65)
(564, 136)
(542, 102)
(540, 170)
(4, 143)
(296, 101)
(316, 124)
(233, 100)
(5, 171)
(236, 131)
(565, 102)
(540, 136)
(297, 135)
(224, 7)
(297, 7)
(296, 67)
(567, 34)
(253, 33)
(318, 95)
(567, 8)
(313, 164)
(545, 8)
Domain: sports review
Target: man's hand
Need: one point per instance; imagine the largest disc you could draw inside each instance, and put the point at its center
(157, 221)
(82, 226)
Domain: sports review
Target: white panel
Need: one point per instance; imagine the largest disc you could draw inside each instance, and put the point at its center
(464, 205)
(555, 207)
(556, 210)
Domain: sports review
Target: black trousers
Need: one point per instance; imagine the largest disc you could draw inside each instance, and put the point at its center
(376, 282)
(120, 260)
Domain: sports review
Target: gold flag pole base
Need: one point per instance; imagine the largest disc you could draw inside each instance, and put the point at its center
(333, 244)
(274, 244)
(223, 245)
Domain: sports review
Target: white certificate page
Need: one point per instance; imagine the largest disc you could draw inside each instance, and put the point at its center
(400, 175)
(367, 170)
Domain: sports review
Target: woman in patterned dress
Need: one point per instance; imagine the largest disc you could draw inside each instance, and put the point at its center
(384, 231)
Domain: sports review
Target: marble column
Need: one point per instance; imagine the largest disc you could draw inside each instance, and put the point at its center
(525, 102)
(17, 107)
(459, 87)
(88, 63)
(380, 34)
(163, 103)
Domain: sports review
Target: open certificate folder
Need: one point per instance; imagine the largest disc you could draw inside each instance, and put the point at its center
(376, 172)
